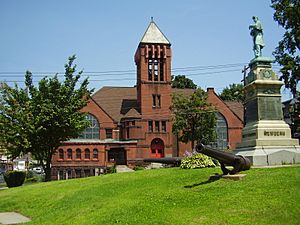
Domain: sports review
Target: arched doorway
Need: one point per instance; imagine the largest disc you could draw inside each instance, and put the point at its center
(157, 148)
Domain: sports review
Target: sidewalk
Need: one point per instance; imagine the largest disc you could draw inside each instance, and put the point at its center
(12, 218)
(3, 188)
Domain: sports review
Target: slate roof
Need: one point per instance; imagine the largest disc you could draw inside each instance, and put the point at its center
(111, 99)
(121, 102)
(185, 92)
(237, 108)
(117, 102)
(154, 35)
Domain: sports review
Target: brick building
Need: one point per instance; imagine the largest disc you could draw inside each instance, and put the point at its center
(132, 123)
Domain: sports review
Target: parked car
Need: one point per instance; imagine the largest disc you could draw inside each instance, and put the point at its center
(38, 170)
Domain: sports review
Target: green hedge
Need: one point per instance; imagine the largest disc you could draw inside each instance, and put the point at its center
(14, 178)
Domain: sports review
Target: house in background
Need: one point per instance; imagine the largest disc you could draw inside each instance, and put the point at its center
(129, 124)
(291, 115)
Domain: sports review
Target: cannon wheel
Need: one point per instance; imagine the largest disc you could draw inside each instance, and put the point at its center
(224, 169)
(236, 167)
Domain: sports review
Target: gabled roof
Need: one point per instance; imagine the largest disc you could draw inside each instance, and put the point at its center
(154, 35)
(132, 113)
(237, 108)
(111, 100)
(128, 104)
(121, 102)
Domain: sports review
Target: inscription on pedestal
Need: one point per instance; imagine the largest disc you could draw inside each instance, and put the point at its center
(274, 133)
(269, 108)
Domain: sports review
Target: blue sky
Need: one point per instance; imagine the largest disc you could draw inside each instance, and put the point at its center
(40, 35)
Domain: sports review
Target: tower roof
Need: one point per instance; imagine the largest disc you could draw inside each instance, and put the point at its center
(154, 35)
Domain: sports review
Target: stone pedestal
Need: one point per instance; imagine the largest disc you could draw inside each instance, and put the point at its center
(266, 138)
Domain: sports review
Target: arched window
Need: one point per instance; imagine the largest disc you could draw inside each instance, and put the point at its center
(92, 132)
(87, 154)
(222, 133)
(95, 153)
(69, 153)
(61, 154)
(78, 153)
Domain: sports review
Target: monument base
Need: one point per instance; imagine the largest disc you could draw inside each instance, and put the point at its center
(270, 155)
(267, 133)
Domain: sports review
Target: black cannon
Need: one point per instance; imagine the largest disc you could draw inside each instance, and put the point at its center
(238, 162)
(167, 160)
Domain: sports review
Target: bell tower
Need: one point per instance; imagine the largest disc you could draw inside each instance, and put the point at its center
(153, 61)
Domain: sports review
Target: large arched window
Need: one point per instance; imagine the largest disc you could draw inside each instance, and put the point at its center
(92, 132)
(222, 133)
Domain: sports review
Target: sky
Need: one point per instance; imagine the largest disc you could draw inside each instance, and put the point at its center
(210, 40)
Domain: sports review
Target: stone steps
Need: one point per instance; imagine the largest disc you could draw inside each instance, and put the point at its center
(123, 169)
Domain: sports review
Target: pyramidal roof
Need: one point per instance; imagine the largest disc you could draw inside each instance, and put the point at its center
(154, 35)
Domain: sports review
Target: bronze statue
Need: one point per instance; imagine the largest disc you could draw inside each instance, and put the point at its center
(257, 34)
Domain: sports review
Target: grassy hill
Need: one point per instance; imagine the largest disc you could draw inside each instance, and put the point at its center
(164, 196)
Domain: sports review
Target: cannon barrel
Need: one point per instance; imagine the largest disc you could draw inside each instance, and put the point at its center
(167, 160)
(238, 162)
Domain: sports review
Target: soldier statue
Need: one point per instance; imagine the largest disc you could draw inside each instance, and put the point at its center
(257, 34)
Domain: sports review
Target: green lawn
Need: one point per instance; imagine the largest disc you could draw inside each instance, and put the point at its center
(163, 196)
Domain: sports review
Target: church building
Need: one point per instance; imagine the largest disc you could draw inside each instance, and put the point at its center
(129, 124)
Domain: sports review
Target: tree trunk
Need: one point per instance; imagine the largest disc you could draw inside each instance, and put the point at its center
(193, 136)
(48, 171)
(193, 145)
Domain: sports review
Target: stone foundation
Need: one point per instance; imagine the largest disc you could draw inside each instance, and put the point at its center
(270, 155)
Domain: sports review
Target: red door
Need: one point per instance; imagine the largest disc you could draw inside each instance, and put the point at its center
(157, 148)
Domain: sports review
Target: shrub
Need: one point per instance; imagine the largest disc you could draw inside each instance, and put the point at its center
(14, 178)
(195, 161)
(136, 168)
(112, 169)
(32, 180)
(29, 174)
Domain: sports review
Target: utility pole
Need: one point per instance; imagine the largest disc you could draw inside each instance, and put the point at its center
(244, 71)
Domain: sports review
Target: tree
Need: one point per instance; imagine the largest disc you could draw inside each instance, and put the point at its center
(181, 81)
(38, 119)
(194, 119)
(287, 14)
(234, 92)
